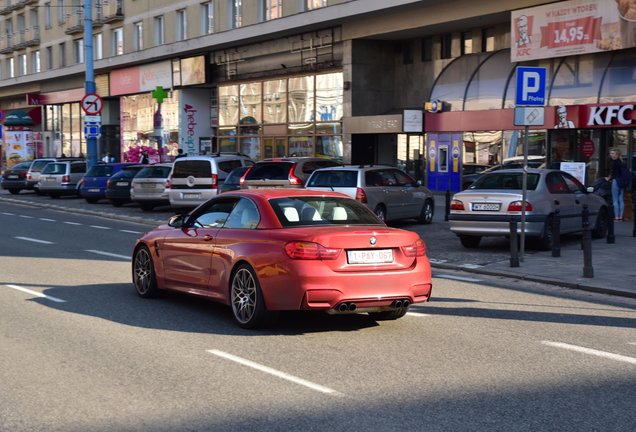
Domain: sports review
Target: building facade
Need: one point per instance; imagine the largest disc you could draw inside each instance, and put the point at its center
(346, 79)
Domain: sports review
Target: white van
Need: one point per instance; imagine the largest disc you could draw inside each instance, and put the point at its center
(195, 179)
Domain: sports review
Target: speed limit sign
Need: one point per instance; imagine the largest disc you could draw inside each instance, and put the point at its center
(92, 104)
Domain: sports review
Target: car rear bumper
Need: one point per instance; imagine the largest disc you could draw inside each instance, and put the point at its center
(316, 287)
(14, 184)
(65, 189)
(190, 198)
(494, 225)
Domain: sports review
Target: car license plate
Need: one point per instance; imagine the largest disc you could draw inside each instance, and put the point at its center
(147, 185)
(123, 184)
(370, 256)
(190, 196)
(93, 190)
(486, 206)
(12, 176)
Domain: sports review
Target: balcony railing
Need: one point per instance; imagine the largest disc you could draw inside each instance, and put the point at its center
(113, 11)
(75, 22)
(31, 36)
(8, 6)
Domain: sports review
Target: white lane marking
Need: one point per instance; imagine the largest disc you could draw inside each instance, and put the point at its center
(131, 232)
(631, 343)
(114, 255)
(418, 314)
(72, 223)
(100, 227)
(275, 372)
(35, 293)
(459, 278)
(34, 240)
(26, 216)
(47, 219)
(591, 351)
(436, 261)
(8, 214)
(471, 266)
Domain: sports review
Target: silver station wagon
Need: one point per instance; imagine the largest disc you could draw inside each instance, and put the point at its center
(488, 205)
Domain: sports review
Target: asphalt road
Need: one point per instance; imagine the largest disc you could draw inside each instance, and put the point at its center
(80, 351)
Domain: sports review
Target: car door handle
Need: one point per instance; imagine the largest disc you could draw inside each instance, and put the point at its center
(207, 237)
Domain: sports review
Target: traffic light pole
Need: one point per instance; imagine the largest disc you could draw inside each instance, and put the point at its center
(89, 86)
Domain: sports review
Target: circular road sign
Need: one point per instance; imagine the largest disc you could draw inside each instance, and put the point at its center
(92, 104)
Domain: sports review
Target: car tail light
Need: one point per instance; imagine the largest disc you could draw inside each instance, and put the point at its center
(29, 176)
(416, 249)
(66, 179)
(310, 251)
(244, 175)
(517, 206)
(293, 179)
(361, 195)
(457, 205)
(108, 183)
(215, 181)
(169, 183)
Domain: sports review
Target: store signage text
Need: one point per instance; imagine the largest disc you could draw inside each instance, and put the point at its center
(605, 115)
(191, 121)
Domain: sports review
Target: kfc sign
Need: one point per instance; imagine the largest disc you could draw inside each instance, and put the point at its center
(608, 115)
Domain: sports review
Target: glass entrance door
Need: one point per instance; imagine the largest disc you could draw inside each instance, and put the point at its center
(274, 147)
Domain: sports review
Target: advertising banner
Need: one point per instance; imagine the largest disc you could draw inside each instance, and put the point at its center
(571, 28)
(19, 146)
(194, 119)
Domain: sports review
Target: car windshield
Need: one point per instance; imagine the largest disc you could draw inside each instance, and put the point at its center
(154, 172)
(322, 210)
(126, 174)
(333, 178)
(100, 171)
(270, 171)
(505, 181)
(54, 168)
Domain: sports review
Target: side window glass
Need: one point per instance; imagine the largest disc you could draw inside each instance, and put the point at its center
(244, 215)
(573, 184)
(555, 183)
(373, 178)
(388, 179)
(215, 215)
(403, 179)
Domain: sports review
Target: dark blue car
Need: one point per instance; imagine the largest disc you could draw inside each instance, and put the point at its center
(93, 186)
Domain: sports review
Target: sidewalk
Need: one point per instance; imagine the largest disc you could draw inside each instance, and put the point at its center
(613, 265)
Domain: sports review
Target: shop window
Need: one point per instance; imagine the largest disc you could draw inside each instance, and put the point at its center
(427, 49)
(446, 45)
(227, 140)
(250, 103)
(300, 93)
(488, 40)
(301, 146)
(467, 43)
(275, 101)
(329, 147)
(329, 97)
(228, 105)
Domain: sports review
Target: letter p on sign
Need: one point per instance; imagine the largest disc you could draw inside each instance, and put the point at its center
(530, 86)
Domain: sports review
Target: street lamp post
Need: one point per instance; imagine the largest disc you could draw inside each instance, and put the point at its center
(89, 86)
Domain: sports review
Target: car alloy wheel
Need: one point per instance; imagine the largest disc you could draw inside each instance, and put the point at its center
(144, 276)
(380, 212)
(426, 215)
(248, 305)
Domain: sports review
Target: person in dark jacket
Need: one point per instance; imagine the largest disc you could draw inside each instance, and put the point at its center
(617, 192)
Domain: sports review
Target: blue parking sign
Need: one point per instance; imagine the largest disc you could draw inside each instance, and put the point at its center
(530, 86)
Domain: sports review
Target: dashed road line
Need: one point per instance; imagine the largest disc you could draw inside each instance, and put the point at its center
(590, 351)
(100, 227)
(72, 223)
(25, 216)
(34, 240)
(47, 220)
(8, 214)
(275, 372)
(36, 293)
(108, 254)
(131, 232)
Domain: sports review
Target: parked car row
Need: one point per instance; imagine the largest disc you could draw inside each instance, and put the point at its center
(190, 181)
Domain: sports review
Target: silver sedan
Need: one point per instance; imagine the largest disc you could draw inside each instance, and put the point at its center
(488, 205)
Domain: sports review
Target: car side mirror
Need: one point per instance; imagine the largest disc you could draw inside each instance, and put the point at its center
(590, 189)
(176, 221)
(418, 183)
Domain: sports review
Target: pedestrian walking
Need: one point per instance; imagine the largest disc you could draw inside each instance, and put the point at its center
(616, 168)
(144, 157)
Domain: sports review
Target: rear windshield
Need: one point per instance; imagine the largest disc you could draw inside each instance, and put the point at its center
(54, 168)
(100, 171)
(195, 168)
(126, 174)
(235, 176)
(38, 165)
(505, 181)
(339, 178)
(154, 172)
(317, 210)
(21, 166)
(270, 171)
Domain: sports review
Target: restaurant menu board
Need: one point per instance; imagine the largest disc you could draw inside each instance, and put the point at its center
(571, 28)
(18, 146)
(576, 169)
